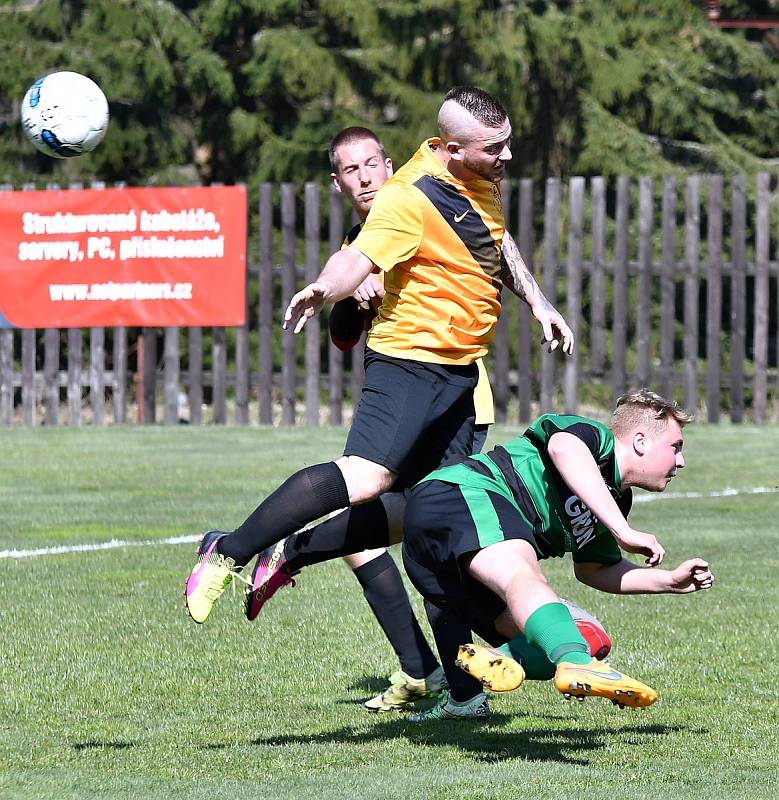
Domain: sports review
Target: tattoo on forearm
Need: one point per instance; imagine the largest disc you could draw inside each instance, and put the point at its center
(515, 274)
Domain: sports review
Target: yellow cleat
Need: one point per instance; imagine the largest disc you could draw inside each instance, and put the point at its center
(497, 672)
(599, 679)
(209, 578)
(405, 690)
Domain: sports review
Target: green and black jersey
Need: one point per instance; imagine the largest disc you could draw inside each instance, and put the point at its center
(522, 472)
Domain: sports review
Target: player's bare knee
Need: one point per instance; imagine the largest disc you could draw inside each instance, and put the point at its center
(365, 480)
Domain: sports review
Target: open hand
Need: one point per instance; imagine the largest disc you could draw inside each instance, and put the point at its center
(305, 304)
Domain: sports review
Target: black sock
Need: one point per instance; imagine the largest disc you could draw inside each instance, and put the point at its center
(386, 595)
(307, 495)
(450, 631)
(355, 529)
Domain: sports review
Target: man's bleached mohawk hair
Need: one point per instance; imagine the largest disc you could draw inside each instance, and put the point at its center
(481, 105)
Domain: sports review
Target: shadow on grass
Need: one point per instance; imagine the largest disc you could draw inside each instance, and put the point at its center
(101, 745)
(487, 742)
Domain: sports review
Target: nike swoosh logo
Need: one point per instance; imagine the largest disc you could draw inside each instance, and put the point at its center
(460, 217)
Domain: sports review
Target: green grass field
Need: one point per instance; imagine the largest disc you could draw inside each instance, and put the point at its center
(110, 691)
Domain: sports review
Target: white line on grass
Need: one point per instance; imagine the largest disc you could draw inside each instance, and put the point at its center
(646, 498)
(82, 548)
(115, 543)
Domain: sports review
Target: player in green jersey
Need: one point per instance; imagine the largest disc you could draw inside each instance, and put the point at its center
(476, 531)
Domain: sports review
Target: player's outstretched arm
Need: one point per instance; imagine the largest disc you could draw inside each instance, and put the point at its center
(625, 577)
(342, 274)
(517, 278)
(578, 469)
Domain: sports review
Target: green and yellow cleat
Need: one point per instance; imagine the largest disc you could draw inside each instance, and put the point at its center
(405, 690)
(497, 672)
(599, 679)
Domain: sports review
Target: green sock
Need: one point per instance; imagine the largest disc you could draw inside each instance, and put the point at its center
(551, 628)
(534, 661)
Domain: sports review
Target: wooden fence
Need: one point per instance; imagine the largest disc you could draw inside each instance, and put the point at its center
(666, 283)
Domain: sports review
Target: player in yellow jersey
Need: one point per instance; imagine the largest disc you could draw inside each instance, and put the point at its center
(360, 164)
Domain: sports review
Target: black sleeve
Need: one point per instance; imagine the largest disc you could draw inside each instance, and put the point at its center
(347, 322)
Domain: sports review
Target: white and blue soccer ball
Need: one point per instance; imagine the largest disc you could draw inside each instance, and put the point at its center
(64, 114)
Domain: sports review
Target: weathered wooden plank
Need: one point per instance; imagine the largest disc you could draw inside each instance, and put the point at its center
(97, 369)
(620, 314)
(171, 368)
(714, 298)
(29, 414)
(74, 376)
(51, 376)
(760, 304)
(119, 388)
(667, 286)
(644, 293)
(265, 305)
(500, 345)
(219, 371)
(738, 297)
(97, 375)
(312, 331)
(6, 376)
(288, 289)
(598, 278)
(149, 376)
(573, 305)
(195, 352)
(692, 221)
(524, 334)
(551, 254)
(335, 358)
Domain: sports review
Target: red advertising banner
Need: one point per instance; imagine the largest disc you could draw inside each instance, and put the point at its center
(105, 257)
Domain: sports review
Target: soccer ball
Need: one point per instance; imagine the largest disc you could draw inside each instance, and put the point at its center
(64, 114)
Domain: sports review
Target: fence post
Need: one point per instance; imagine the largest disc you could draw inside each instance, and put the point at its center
(119, 394)
(288, 288)
(28, 377)
(738, 298)
(335, 357)
(573, 305)
(524, 353)
(74, 376)
(714, 298)
(265, 305)
(500, 349)
(171, 372)
(551, 245)
(97, 374)
(692, 221)
(645, 281)
(148, 401)
(598, 279)
(6, 376)
(51, 376)
(219, 373)
(195, 351)
(312, 331)
(667, 287)
(620, 310)
(760, 305)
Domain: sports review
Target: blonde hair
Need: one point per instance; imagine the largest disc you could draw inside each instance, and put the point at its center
(648, 408)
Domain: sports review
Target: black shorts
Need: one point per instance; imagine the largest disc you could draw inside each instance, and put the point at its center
(413, 417)
(441, 527)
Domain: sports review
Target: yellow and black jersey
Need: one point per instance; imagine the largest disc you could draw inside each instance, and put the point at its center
(347, 322)
(437, 240)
